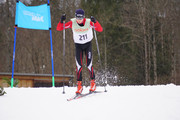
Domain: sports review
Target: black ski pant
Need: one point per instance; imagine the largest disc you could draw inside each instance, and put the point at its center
(87, 49)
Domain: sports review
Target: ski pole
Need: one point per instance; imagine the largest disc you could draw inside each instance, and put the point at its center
(99, 56)
(63, 53)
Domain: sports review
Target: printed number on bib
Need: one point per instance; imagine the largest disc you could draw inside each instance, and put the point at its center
(83, 37)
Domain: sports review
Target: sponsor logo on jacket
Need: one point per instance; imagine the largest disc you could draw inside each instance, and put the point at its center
(81, 30)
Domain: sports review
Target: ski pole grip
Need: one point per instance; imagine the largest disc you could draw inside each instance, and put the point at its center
(64, 17)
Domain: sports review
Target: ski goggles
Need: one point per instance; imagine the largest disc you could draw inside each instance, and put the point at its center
(79, 16)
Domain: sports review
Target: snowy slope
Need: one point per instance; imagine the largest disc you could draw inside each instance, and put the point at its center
(119, 103)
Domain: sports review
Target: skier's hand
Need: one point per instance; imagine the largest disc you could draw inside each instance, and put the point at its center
(93, 19)
(63, 18)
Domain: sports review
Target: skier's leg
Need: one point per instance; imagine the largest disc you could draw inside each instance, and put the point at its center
(78, 58)
(89, 58)
(90, 68)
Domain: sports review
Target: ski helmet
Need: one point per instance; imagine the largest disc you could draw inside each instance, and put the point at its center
(79, 14)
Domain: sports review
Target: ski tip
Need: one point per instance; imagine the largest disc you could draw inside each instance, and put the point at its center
(70, 99)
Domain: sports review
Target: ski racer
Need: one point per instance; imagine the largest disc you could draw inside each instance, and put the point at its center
(82, 35)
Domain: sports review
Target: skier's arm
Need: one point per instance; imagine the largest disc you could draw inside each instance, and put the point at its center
(97, 26)
(94, 23)
(67, 25)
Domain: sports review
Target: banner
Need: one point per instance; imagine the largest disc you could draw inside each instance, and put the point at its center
(33, 17)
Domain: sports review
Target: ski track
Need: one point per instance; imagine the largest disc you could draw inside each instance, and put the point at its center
(160, 102)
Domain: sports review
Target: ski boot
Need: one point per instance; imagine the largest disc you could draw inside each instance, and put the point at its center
(79, 87)
(93, 86)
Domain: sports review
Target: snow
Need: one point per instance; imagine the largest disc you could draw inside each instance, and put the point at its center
(160, 102)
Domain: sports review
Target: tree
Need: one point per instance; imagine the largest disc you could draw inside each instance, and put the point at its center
(139, 43)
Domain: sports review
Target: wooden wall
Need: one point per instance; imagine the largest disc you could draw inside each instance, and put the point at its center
(36, 80)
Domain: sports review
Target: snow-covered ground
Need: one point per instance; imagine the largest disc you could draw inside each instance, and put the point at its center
(119, 103)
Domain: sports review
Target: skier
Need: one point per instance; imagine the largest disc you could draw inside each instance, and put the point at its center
(82, 35)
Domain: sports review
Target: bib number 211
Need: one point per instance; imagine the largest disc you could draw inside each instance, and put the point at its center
(83, 37)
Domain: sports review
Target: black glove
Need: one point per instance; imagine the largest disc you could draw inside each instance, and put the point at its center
(93, 19)
(63, 17)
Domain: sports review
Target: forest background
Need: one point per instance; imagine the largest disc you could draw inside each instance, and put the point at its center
(139, 44)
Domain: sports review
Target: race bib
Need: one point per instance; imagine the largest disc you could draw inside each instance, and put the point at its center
(82, 35)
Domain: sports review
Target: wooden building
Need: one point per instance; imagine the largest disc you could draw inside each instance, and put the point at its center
(36, 80)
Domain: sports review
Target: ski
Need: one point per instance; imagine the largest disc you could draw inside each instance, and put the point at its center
(74, 97)
(78, 96)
